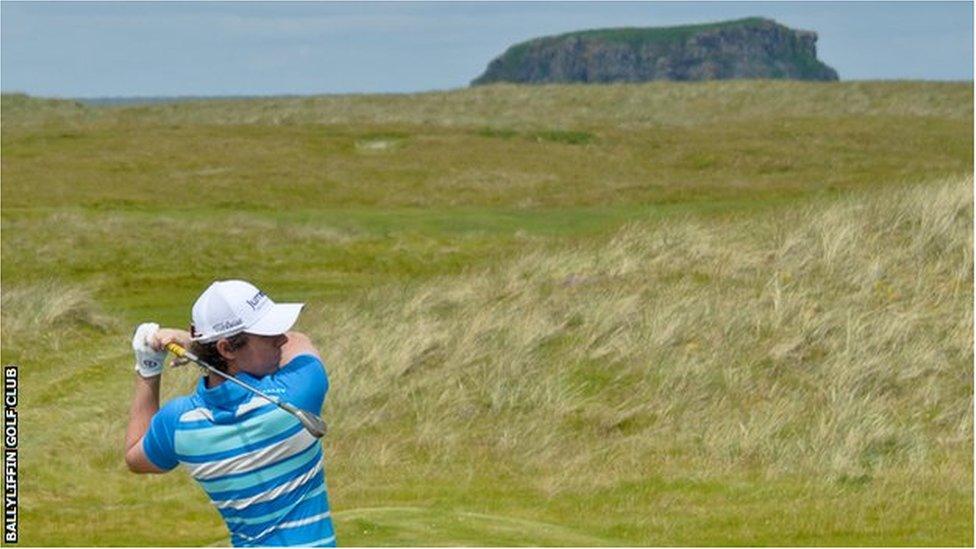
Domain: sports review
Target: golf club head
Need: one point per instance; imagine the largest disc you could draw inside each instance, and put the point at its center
(313, 423)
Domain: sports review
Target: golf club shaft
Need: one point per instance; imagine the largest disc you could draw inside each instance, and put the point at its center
(312, 422)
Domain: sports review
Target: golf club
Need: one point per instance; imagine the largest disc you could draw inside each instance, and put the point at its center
(312, 422)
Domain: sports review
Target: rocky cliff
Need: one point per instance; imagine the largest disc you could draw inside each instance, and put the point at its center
(746, 48)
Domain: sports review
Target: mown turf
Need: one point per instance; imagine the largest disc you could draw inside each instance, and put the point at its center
(527, 419)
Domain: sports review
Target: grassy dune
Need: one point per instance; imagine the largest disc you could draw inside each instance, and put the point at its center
(828, 347)
(667, 314)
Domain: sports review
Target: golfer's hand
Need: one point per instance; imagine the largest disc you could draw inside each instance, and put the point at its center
(165, 336)
(149, 361)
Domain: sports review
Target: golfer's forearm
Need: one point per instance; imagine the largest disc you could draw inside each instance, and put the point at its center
(145, 403)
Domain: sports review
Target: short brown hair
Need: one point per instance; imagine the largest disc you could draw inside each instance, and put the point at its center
(208, 351)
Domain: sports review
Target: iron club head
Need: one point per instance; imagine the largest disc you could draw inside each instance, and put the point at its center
(312, 423)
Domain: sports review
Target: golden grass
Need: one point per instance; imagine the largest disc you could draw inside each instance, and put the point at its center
(50, 313)
(834, 341)
(830, 343)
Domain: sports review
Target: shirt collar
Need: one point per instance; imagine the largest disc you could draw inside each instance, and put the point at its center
(226, 395)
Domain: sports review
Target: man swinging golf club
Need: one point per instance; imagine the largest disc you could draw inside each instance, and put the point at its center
(249, 433)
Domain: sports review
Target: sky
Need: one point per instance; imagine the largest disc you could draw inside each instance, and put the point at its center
(128, 49)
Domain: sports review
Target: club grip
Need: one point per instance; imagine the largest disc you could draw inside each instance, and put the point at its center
(176, 349)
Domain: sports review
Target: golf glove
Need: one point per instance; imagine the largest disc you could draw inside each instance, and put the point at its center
(149, 362)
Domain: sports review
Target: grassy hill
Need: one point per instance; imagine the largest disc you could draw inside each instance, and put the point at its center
(665, 314)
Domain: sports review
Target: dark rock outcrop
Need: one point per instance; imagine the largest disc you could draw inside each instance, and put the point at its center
(746, 48)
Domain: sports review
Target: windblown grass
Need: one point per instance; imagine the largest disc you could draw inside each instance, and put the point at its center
(834, 341)
(49, 313)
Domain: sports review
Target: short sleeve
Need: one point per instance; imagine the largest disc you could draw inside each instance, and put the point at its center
(305, 382)
(158, 443)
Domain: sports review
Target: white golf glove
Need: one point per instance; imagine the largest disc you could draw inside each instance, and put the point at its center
(149, 362)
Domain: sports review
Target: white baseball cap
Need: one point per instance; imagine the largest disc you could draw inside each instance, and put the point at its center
(229, 307)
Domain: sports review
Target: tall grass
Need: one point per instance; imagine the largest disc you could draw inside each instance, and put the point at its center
(661, 368)
(49, 313)
(835, 341)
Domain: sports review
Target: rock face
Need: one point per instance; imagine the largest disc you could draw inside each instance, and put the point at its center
(746, 48)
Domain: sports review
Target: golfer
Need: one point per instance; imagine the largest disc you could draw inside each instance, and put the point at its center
(261, 469)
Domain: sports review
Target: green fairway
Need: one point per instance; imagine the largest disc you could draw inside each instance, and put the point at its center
(725, 313)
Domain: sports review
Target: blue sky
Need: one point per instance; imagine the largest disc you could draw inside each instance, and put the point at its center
(95, 49)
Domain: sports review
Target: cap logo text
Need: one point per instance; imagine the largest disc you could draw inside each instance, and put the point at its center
(256, 300)
(227, 325)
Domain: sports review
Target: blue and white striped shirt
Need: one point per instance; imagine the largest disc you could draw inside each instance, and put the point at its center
(262, 470)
